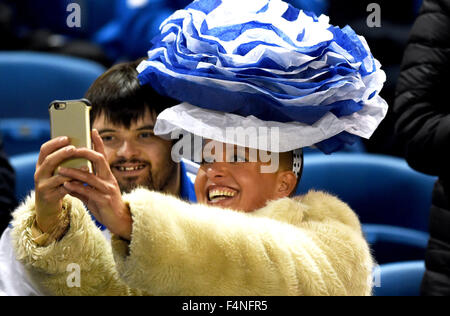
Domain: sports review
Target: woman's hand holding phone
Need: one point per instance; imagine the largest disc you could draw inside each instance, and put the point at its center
(59, 172)
(102, 194)
(49, 186)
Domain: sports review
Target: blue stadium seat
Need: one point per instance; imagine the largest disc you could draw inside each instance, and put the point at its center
(391, 199)
(24, 135)
(30, 81)
(24, 166)
(189, 171)
(381, 189)
(399, 279)
(394, 244)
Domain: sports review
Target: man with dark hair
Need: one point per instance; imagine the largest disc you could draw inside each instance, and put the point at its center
(125, 113)
(118, 95)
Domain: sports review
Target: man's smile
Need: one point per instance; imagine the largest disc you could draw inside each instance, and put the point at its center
(130, 170)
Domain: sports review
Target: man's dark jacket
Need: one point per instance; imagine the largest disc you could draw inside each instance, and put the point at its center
(422, 108)
(7, 199)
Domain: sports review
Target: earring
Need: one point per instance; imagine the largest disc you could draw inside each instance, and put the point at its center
(297, 162)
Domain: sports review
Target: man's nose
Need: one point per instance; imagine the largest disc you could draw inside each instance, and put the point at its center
(128, 150)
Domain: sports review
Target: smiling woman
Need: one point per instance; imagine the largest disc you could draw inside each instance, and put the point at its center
(232, 177)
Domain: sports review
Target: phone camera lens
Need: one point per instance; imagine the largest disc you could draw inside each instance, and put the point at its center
(60, 106)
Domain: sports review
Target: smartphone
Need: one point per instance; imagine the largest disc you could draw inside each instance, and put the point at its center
(71, 119)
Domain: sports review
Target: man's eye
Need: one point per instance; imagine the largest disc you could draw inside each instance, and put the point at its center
(146, 135)
(107, 138)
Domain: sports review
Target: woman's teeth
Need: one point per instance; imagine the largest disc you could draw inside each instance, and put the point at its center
(220, 194)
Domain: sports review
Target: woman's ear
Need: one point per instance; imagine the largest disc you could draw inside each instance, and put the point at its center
(286, 184)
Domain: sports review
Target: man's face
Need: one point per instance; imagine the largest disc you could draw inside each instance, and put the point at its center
(239, 186)
(137, 157)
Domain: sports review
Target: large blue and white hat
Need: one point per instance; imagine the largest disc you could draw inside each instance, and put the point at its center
(235, 63)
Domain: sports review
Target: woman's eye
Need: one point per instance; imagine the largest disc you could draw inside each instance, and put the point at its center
(238, 158)
(207, 160)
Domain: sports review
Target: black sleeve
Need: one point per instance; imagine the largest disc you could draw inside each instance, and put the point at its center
(422, 105)
(7, 199)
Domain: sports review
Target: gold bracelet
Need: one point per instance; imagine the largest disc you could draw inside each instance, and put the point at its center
(55, 234)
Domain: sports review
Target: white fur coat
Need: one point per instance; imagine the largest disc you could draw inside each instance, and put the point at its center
(310, 245)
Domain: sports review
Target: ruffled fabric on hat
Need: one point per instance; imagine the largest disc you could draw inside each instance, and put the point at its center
(268, 60)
